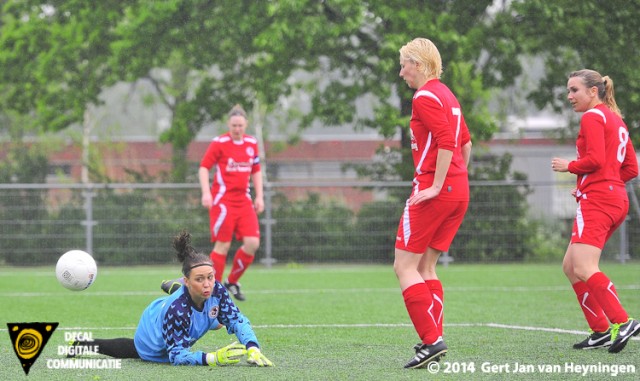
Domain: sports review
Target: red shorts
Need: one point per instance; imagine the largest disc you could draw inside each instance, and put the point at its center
(433, 223)
(597, 218)
(227, 219)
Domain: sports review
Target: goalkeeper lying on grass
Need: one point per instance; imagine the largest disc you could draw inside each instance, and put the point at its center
(170, 325)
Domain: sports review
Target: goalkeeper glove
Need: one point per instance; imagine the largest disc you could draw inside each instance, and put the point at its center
(228, 355)
(255, 357)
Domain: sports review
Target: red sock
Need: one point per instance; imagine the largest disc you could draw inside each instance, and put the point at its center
(219, 261)
(418, 300)
(437, 293)
(241, 262)
(605, 293)
(592, 311)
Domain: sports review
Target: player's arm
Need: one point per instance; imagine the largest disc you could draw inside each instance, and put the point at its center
(465, 141)
(466, 153)
(209, 159)
(258, 202)
(175, 332)
(433, 114)
(203, 177)
(443, 162)
(231, 317)
(594, 158)
(629, 167)
(238, 324)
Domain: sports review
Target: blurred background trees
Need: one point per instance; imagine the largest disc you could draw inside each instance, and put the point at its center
(201, 57)
(313, 62)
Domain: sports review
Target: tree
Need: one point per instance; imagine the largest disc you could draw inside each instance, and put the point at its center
(53, 61)
(568, 35)
(53, 58)
(204, 56)
(354, 48)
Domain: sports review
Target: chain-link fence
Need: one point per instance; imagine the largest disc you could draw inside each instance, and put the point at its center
(129, 224)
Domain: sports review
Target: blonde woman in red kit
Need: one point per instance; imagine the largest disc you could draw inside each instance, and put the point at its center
(441, 148)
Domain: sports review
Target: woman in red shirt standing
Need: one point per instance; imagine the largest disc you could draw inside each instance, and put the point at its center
(234, 158)
(441, 148)
(606, 160)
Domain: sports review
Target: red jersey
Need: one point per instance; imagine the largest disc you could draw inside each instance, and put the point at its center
(437, 123)
(605, 155)
(235, 161)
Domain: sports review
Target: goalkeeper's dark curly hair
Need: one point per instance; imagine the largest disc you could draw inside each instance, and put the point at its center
(186, 254)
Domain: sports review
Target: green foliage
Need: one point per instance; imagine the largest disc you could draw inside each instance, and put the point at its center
(23, 164)
(53, 58)
(593, 34)
(126, 226)
(311, 229)
(497, 226)
(375, 230)
(133, 229)
(202, 57)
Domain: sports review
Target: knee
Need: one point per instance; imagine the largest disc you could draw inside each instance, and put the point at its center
(567, 268)
(396, 269)
(402, 269)
(429, 274)
(578, 271)
(583, 274)
(222, 247)
(250, 245)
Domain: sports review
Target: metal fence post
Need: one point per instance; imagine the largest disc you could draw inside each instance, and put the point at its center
(445, 259)
(268, 222)
(88, 194)
(624, 242)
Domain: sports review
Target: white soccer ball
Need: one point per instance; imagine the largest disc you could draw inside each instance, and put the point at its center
(76, 270)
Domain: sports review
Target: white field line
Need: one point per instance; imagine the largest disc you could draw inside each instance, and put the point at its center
(64, 293)
(361, 325)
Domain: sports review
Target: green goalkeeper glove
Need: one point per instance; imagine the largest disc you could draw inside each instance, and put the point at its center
(255, 357)
(230, 354)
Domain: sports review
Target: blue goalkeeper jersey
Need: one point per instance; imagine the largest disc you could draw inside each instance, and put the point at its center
(170, 326)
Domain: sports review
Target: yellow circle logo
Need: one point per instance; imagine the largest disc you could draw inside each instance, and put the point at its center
(28, 343)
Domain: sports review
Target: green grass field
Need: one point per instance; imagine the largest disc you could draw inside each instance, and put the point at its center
(338, 323)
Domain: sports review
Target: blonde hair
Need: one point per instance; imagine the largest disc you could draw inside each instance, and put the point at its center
(422, 50)
(237, 110)
(591, 78)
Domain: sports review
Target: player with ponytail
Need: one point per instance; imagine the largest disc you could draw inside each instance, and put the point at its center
(605, 161)
(171, 325)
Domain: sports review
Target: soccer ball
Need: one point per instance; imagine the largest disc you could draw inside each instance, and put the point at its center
(76, 270)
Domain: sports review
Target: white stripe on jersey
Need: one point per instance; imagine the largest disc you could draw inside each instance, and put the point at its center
(584, 177)
(220, 220)
(250, 139)
(596, 111)
(579, 221)
(406, 224)
(226, 138)
(223, 188)
(429, 94)
(424, 154)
